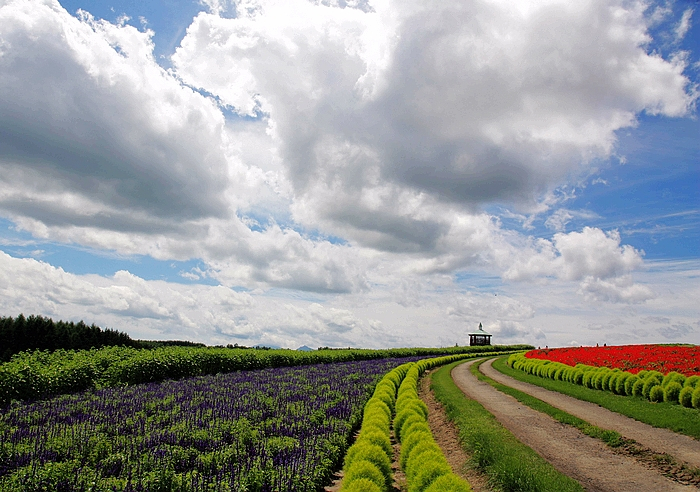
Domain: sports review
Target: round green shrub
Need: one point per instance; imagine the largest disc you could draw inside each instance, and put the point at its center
(601, 380)
(656, 393)
(376, 402)
(428, 473)
(412, 440)
(692, 381)
(629, 384)
(655, 374)
(672, 392)
(673, 377)
(578, 376)
(685, 397)
(649, 383)
(361, 485)
(620, 383)
(695, 399)
(638, 387)
(588, 379)
(370, 452)
(375, 436)
(559, 374)
(449, 483)
(420, 457)
(413, 425)
(406, 425)
(364, 469)
(642, 374)
(610, 382)
(418, 405)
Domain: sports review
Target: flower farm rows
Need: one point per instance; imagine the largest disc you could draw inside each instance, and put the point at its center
(40, 374)
(260, 430)
(630, 358)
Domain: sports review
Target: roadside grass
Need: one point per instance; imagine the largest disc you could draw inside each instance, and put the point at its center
(609, 437)
(510, 465)
(663, 414)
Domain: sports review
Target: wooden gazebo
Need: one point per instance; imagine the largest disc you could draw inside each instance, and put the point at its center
(479, 337)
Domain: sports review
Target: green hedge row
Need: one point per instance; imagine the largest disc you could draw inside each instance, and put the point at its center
(421, 458)
(367, 465)
(652, 385)
(40, 374)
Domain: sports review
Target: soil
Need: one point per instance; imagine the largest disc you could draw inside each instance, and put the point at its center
(446, 435)
(673, 455)
(585, 459)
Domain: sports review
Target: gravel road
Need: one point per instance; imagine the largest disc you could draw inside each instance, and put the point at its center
(583, 458)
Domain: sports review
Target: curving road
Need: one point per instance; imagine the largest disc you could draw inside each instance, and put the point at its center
(681, 447)
(583, 458)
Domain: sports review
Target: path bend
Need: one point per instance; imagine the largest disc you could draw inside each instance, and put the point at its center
(681, 447)
(583, 458)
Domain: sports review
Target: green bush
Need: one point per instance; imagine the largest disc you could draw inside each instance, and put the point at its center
(449, 483)
(692, 381)
(629, 384)
(620, 383)
(656, 393)
(375, 436)
(672, 392)
(428, 473)
(588, 379)
(685, 397)
(638, 387)
(372, 453)
(605, 381)
(673, 377)
(361, 485)
(649, 383)
(420, 457)
(695, 400)
(578, 376)
(407, 423)
(601, 379)
(412, 440)
(366, 470)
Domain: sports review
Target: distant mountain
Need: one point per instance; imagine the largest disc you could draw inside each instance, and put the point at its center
(263, 347)
(304, 348)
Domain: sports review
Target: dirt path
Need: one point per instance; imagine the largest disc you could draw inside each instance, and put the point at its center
(583, 458)
(447, 437)
(681, 447)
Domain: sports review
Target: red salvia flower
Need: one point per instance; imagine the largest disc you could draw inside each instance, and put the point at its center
(684, 359)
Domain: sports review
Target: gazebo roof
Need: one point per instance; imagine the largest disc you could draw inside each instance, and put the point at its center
(479, 331)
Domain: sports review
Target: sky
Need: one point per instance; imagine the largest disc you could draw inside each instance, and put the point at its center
(365, 173)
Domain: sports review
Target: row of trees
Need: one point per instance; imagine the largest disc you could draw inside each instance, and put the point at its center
(39, 333)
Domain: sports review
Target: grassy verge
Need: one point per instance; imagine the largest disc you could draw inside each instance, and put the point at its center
(611, 438)
(664, 415)
(509, 464)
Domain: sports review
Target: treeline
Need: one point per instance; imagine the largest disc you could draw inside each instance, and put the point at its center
(40, 333)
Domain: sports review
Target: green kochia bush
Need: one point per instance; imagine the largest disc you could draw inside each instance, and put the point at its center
(367, 464)
(421, 458)
(369, 458)
(685, 397)
(673, 387)
(656, 393)
(695, 399)
(672, 392)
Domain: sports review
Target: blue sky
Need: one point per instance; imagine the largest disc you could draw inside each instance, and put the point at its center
(365, 174)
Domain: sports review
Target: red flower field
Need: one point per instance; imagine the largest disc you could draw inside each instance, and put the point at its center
(684, 359)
